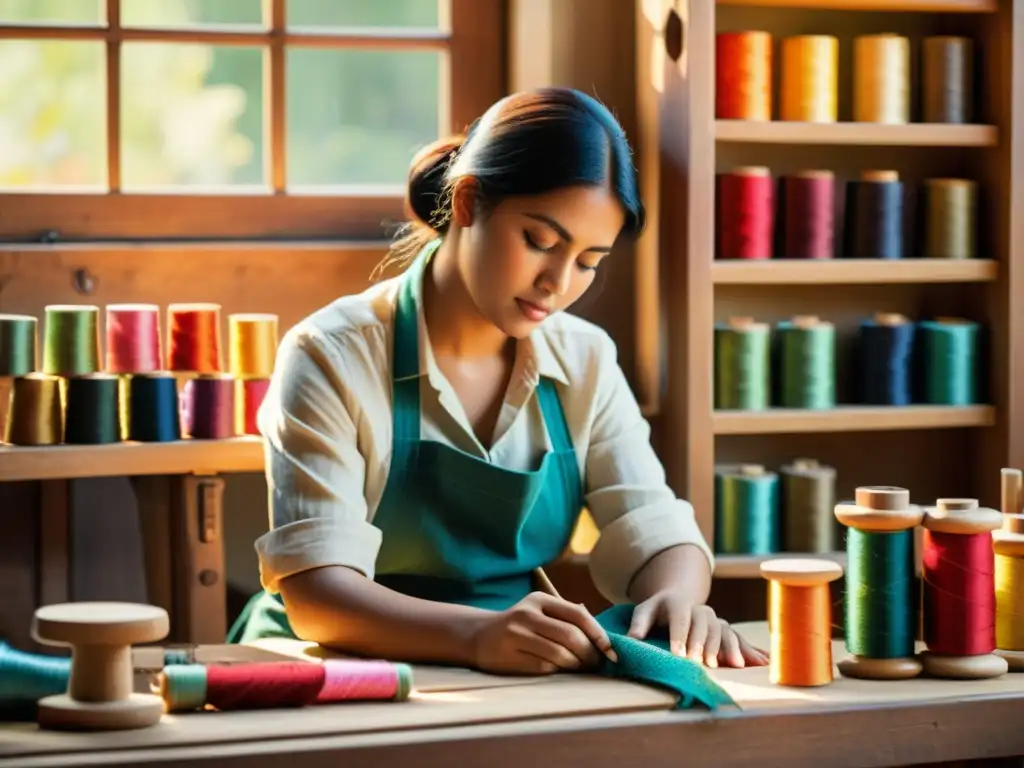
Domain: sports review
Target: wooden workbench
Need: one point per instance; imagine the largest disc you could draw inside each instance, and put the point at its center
(462, 718)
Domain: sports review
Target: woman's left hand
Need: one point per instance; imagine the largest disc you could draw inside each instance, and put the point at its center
(695, 631)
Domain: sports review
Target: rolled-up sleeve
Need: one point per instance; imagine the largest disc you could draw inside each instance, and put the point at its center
(315, 472)
(637, 513)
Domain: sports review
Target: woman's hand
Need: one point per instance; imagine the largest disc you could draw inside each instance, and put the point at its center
(540, 635)
(694, 631)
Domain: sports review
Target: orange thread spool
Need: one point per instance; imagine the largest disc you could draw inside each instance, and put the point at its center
(743, 76)
(194, 344)
(800, 620)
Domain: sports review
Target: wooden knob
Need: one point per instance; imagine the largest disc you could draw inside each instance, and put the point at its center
(100, 692)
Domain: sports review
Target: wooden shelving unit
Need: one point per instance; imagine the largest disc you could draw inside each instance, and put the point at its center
(933, 451)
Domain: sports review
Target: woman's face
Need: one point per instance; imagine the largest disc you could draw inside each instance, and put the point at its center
(529, 257)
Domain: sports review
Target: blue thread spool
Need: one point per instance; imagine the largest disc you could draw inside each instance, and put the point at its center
(885, 351)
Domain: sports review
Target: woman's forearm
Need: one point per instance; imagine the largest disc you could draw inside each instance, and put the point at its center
(338, 607)
(681, 567)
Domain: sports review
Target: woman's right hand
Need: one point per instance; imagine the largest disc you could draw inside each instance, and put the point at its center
(540, 635)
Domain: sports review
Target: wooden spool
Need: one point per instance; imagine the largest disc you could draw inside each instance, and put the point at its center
(100, 692)
(880, 509)
(1009, 542)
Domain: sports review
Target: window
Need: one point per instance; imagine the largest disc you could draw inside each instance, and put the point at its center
(204, 119)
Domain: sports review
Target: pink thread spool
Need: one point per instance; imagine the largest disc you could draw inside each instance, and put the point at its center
(249, 395)
(133, 338)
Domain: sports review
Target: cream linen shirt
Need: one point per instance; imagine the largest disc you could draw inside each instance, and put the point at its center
(327, 426)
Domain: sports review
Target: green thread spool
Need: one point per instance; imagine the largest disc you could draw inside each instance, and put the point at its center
(948, 350)
(71, 341)
(746, 510)
(742, 365)
(18, 344)
(950, 219)
(806, 363)
(93, 413)
(808, 491)
(881, 618)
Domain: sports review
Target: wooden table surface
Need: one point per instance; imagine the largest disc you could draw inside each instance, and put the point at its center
(463, 718)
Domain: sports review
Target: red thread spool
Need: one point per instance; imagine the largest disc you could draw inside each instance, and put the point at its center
(249, 395)
(265, 685)
(746, 214)
(743, 76)
(959, 590)
(194, 338)
(208, 407)
(133, 338)
(809, 223)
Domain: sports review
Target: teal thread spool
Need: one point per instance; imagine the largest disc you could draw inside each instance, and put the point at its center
(71, 340)
(746, 510)
(948, 349)
(808, 499)
(93, 413)
(742, 365)
(806, 363)
(881, 619)
(17, 344)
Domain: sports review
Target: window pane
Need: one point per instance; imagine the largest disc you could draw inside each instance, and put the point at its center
(357, 116)
(53, 126)
(364, 13)
(190, 13)
(52, 12)
(191, 115)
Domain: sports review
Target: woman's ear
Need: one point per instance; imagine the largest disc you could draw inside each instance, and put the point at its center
(465, 194)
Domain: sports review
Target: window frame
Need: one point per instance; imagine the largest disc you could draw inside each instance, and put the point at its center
(473, 77)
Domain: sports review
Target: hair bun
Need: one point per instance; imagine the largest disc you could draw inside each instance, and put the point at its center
(427, 177)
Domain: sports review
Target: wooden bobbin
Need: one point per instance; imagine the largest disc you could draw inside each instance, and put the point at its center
(880, 509)
(750, 470)
(890, 318)
(1009, 542)
(963, 517)
(804, 322)
(1011, 483)
(880, 176)
(100, 692)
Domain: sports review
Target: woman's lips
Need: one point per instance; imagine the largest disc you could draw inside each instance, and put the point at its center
(532, 311)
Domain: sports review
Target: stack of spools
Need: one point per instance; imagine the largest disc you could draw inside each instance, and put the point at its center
(253, 346)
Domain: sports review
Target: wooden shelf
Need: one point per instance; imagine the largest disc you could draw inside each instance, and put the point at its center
(854, 418)
(861, 134)
(899, 6)
(853, 271)
(182, 457)
(749, 566)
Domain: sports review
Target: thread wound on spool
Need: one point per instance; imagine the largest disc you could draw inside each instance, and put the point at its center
(252, 345)
(1008, 548)
(93, 413)
(874, 217)
(948, 79)
(249, 396)
(885, 353)
(950, 219)
(807, 501)
(881, 91)
(18, 337)
(949, 357)
(746, 214)
(810, 77)
(742, 367)
(743, 76)
(747, 511)
(808, 198)
(153, 408)
(71, 341)
(133, 338)
(208, 407)
(806, 364)
(194, 344)
(35, 416)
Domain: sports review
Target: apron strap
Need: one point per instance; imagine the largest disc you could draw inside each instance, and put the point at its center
(554, 416)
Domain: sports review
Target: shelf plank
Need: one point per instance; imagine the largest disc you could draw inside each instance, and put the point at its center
(913, 134)
(900, 6)
(854, 418)
(182, 457)
(853, 271)
(749, 566)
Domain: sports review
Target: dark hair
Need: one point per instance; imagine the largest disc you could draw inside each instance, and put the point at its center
(528, 143)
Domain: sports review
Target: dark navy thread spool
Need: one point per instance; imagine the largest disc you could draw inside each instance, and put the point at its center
(874, 216)
(153, 415)
(208, 407)
(885, 352)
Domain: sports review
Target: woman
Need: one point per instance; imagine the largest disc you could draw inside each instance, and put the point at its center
(432, 440)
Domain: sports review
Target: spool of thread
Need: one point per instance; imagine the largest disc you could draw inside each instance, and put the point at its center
(133, 338)
(252, 345)
(194, 344)
(35, 416)
(746, 214)
(800, 620)
(885, 346)
(249, 395)
(71, 341)
(18, 335)
(880, 618)
(747, 510)
(874, 216)
(153, 414)
(959, 590)
(810, 79)
(1011, 491)
(881, 79)
(742, 365)
(808, 493)
(743, 76)
(806, 363)
(948, 79)
(93, 414)
(948, 350)
(950, 219)
(208, 407)
(809, 223)
(1008, 547)
(282, 684)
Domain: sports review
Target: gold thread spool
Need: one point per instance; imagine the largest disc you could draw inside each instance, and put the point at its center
(252, 345)
(881, 92)
(1008, 546)
(950, 214)
(35, 415)
(810, 79)
(743, 76)
(947, 79)
(800, 620)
